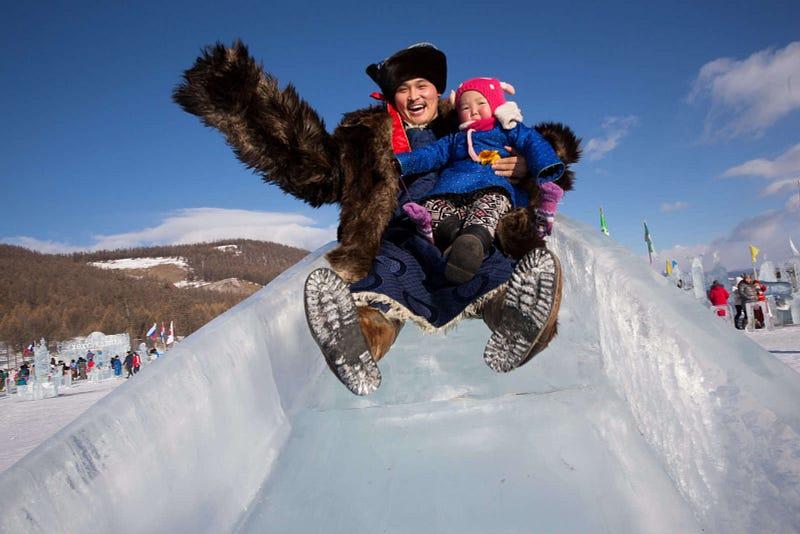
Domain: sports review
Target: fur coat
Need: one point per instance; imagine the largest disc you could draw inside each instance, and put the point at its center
(277, 134)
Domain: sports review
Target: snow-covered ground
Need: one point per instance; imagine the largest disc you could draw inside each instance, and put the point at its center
(646, 414)
(140, 263)
(783, 343)
(25, 424)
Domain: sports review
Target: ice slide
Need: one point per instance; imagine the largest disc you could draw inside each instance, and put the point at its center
(647, 414)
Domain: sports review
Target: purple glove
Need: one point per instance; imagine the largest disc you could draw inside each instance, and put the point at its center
(549, 196)
(421, 217)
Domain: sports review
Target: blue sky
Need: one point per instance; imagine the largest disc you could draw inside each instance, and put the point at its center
(689, 113)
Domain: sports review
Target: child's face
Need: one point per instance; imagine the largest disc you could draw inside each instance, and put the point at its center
(473, 106)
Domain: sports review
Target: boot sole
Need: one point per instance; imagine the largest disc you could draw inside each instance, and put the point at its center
(464, 259)
(333, 320)
(531, 306)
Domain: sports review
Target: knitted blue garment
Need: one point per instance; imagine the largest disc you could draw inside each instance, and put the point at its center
(409, 270)
(460, 174)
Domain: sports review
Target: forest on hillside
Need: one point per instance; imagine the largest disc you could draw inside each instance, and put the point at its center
(59, 297)
(255, 261)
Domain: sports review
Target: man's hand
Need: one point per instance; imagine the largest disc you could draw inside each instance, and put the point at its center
(512, 166)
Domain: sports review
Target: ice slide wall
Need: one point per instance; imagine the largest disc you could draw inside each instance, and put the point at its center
(186, 446)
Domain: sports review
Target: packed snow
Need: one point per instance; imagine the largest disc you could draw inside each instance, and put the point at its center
(26, 424)
(140, 263)
(646, 414)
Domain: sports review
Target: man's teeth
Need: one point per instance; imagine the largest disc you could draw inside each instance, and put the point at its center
(416, 107)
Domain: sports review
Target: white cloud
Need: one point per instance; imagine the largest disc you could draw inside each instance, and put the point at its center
(48, 247)
(204, 224)
(783, 171)
(615, 129)
(748, 96)
(667, 207)
(769, 231)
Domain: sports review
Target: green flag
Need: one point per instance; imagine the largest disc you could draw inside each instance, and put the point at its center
(649, 240)
(603, 226)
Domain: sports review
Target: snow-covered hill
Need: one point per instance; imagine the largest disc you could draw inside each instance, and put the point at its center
(647, 414)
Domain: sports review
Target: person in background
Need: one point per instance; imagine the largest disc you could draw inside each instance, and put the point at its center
(718, 296)
(752, 290)
(137, 362)
(129, 364)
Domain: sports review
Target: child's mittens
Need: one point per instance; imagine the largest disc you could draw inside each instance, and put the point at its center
(421, 217)
(550, 195)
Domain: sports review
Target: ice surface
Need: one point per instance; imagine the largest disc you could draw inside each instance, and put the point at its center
(646, 414)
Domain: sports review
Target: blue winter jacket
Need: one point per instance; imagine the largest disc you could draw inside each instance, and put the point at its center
(462, 175)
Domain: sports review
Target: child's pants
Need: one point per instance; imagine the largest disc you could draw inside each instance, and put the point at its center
(482, 208)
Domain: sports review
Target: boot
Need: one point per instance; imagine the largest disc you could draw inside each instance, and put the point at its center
(379, 332)
(335, 325)
(466, 254)
(446, 232)
(493, 316)
(529, 312)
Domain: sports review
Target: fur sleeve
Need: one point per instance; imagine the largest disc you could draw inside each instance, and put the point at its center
(272, 131)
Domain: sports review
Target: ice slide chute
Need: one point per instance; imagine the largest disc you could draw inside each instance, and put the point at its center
(647, 414)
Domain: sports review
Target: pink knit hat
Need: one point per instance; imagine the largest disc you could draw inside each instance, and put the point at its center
(494, 91)
(490, 88)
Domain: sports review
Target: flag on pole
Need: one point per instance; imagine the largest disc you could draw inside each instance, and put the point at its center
(603, 225)
(171, 336)
(152, 332)
(163, 332)
(669, 268)
(794, 248)
(649, 240)
(754, 253)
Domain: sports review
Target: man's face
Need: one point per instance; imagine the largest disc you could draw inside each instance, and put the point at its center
(416, 100)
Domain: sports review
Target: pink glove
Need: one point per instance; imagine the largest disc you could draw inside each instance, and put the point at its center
(549, 196)
(421, 217)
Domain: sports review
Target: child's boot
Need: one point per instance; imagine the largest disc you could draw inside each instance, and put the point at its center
(466, 254)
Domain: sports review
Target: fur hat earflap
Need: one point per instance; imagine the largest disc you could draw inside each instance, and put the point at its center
(422, 60)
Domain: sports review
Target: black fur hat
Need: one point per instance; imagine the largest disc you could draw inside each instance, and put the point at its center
(422, 60)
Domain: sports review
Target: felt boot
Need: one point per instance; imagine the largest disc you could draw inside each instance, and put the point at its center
(466, 254)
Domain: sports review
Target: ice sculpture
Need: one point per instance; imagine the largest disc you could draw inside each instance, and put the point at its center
(698, 281)
(767, 272)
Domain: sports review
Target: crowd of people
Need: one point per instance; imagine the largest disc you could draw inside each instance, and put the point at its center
(76, 369)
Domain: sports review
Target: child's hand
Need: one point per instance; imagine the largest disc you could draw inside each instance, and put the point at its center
(512, 166)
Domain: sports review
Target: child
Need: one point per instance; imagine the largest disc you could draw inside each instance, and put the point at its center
(468, 200)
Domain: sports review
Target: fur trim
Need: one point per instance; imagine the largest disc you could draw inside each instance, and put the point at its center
(508, 115)
(398, 312)
(567, 147)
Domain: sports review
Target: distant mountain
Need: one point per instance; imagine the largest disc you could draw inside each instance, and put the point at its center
(59, 297)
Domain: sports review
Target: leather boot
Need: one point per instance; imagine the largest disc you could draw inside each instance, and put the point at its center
(528, 314)
(492, 314)
(379, 332)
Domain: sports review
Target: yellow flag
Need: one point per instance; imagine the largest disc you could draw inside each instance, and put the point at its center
(754, 253)
(669, 268)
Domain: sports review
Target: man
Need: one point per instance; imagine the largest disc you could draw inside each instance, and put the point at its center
(355, 310)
